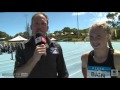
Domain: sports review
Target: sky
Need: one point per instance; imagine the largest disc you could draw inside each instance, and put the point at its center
(15, 22)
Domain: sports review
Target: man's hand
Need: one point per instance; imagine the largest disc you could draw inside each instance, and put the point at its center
(39, 51)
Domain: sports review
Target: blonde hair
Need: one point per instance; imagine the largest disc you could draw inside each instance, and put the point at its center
(38, 14)
(103, 26)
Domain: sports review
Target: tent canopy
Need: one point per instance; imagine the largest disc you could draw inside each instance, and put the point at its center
(18, 38)
(53, 39)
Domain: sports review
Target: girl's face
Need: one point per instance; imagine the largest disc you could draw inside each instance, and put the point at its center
(39, 24)
(98, 38)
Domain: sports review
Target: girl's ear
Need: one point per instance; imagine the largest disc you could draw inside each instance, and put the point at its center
(108, 37)
(48, 27)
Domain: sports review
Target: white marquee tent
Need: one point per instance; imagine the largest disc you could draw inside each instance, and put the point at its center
(17, 39)
(53, 39)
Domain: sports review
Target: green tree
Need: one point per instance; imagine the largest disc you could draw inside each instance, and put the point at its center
(4, 35)
(113, 22)
(118, 33)
(66, 29)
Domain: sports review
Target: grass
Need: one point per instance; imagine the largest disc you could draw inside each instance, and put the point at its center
(118, 40)
(76, 39)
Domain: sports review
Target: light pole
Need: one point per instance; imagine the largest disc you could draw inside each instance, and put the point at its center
(27, 26)
(26, 19)
(78, 25)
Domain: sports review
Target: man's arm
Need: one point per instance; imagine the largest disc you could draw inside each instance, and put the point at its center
(25, 68)
(61, 66)
(84, 59)
(22, 69)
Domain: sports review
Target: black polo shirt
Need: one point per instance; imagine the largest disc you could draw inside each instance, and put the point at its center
(50, 66)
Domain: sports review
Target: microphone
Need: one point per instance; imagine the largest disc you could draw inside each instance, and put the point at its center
(40, 39)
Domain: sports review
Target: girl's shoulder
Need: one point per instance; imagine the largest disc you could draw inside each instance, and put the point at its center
(84, 56)
(117, 53)
(117, 59)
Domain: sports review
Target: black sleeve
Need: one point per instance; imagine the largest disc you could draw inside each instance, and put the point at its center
(19, 58)
(61, 66)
